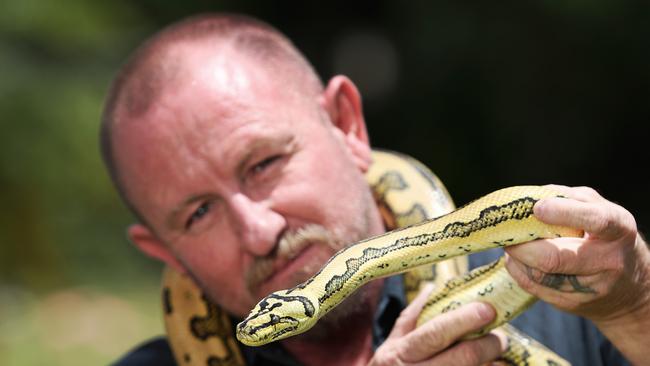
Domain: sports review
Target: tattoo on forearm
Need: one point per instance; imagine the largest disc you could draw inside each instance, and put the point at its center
(557, 280)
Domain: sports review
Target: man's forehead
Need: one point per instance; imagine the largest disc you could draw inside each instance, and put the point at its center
(222, 70)
(206, 86)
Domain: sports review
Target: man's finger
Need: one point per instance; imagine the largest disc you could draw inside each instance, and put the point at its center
(408, 317)
(473, 352)
(600, 219)
(445, 329)
(584, 194)
(562, 255)
(565, 291)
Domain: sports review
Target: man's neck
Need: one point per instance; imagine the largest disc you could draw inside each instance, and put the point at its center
(348, 344)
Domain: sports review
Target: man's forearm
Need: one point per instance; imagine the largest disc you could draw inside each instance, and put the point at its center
(630, 332)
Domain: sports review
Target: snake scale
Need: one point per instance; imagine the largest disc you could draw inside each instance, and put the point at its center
(431, 250)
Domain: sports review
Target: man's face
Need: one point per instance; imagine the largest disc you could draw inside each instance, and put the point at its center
(244, 180)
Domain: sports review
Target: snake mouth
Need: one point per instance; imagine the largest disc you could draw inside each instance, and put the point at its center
(255, 332)
(277, 316)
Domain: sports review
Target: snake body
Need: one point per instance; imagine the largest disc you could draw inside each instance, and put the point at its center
(499, 219)
(489, 283)
(200, 332)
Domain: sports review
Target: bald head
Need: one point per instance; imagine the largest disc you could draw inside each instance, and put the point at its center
(161, 64)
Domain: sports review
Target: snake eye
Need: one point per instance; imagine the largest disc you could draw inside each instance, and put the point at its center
(275, 319)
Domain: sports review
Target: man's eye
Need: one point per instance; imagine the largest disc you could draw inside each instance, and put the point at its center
(262, 165)
(198, 214)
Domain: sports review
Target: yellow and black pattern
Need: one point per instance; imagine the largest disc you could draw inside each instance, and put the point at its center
(489, 283)
(504, 217)
(385, 258)
(396, 177)
(199, 332)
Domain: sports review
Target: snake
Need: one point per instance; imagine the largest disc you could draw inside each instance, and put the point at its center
(423, 248)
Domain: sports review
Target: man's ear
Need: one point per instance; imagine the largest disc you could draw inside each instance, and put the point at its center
(342, 101)
(150, 245)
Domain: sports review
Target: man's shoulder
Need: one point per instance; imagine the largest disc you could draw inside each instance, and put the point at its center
(153, 352)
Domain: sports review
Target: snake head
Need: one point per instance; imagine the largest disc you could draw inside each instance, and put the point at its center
(277, 316)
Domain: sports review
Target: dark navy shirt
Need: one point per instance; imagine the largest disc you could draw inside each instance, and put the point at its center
(572, 337)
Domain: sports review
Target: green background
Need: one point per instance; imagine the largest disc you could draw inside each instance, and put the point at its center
(488, 95)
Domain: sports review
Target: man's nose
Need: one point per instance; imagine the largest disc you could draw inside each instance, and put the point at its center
(256, 224)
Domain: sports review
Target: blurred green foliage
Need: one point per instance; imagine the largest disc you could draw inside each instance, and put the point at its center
(487, 95)
(68, 279)
(61, 211)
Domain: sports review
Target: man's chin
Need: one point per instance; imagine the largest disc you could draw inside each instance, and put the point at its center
(350, 311)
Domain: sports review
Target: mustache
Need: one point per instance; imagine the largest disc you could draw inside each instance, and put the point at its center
(291, 243)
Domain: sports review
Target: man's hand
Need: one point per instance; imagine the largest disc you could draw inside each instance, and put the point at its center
(436, 341)
(603, 276)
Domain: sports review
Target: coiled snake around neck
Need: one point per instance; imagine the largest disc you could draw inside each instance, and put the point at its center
(505, 217)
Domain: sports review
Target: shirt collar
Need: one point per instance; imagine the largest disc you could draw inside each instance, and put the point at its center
(391, 303)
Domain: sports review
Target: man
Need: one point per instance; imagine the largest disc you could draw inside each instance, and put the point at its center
(246, 173)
